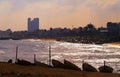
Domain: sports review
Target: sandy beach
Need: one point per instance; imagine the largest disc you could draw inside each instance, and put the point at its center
(114, 43)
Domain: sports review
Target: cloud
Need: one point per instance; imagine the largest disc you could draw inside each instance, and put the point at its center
(55, 15)
(102, 3)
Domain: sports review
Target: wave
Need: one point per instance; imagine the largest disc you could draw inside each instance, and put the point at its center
(32, 40)
(2, 52)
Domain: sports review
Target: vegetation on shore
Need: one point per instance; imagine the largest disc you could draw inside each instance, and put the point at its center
(13, 70)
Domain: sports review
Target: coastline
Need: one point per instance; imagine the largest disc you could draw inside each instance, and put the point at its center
(114, 43)
(41, 39)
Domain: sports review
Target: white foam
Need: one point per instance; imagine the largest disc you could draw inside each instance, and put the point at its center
(2, 52)
(56, 57)
(32, 40)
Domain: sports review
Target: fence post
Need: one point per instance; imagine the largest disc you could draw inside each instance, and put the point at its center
(34, 58)
(0, 69)
(49, 55)
(16, 59)
(104, 65)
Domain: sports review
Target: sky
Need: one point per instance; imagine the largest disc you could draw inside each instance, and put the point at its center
(58, 13)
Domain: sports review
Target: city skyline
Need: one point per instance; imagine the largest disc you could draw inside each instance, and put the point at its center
(58, 13)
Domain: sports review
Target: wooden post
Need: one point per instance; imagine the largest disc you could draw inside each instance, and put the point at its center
(0, 69)
(83, 61)
(49, 55)
(34, 58)
(104, 65)
(16, 54)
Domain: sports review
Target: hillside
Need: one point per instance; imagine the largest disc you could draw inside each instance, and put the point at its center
(13, 70)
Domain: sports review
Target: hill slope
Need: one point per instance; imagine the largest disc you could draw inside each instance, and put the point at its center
(13, 70)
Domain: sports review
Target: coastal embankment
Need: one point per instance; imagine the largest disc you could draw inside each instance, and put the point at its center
(13, 70)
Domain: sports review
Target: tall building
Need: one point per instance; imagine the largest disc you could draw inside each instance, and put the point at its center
(119, 29)
(33, 24)
(113, 28)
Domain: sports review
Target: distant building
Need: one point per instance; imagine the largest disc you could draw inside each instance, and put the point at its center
(5, 34)
(119, 29)
(33, 25)
(103, 31)
(113, 28)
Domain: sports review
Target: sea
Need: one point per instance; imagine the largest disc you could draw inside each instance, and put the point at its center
(73, 52)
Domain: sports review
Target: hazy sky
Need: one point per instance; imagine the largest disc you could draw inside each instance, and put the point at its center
(58, 13)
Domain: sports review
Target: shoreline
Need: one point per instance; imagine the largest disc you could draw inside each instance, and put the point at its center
(44, 39)
(114, 43)
(53, 39)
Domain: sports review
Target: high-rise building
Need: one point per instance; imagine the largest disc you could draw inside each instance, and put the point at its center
(113, 28)
(33, 25)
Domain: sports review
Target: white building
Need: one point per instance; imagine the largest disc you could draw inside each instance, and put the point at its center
(33, 25)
